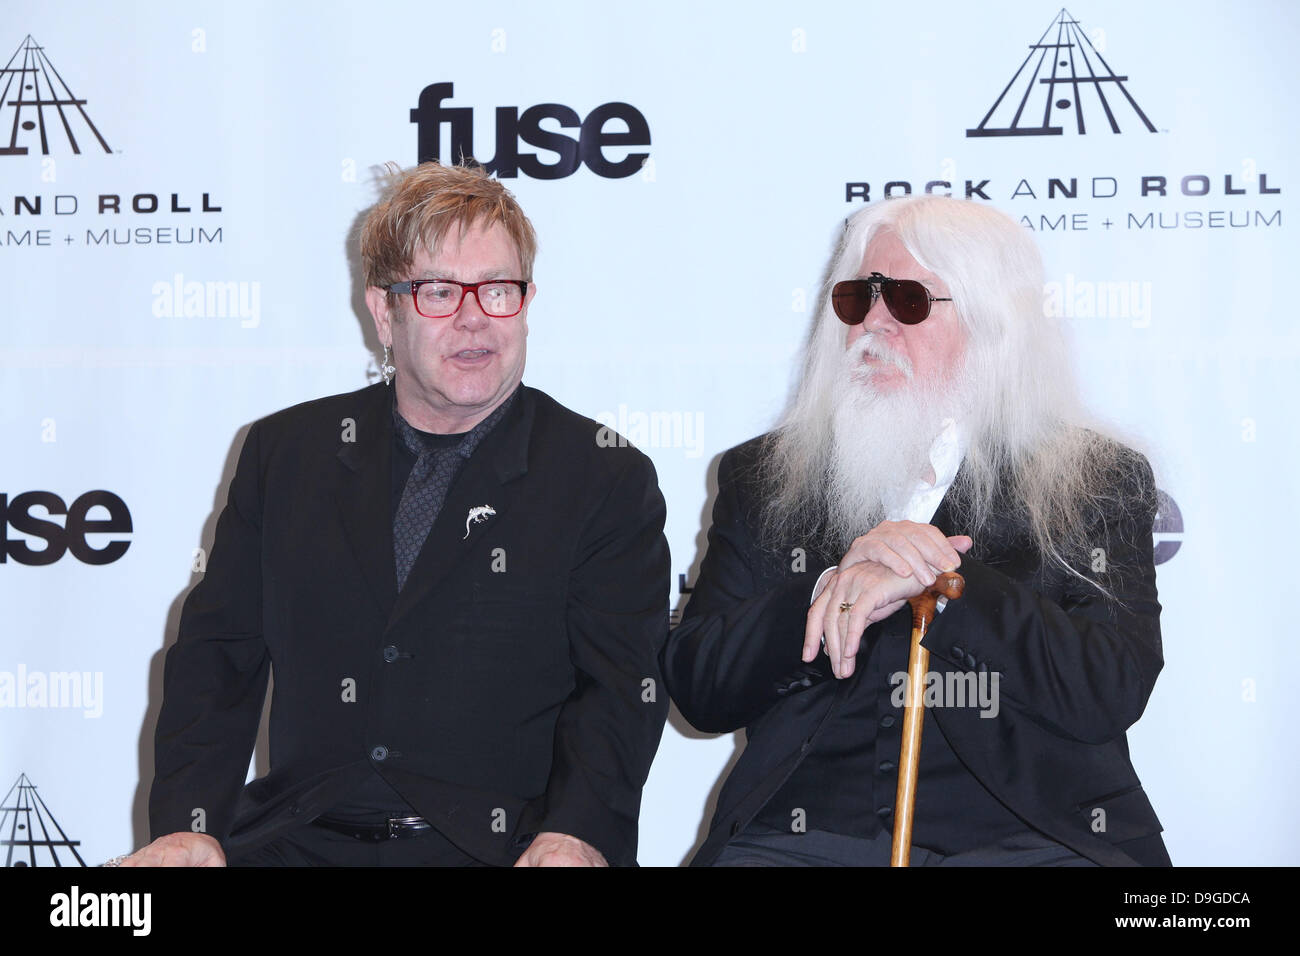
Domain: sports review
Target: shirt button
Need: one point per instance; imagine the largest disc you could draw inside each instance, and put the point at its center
(887, 720)
(886, 766)
(390, 653)
(379, 753)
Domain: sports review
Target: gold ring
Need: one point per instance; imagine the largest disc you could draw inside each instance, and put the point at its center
(846, 606)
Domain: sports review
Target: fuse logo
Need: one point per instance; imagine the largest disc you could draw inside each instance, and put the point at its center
(70, 535)
(597, 141)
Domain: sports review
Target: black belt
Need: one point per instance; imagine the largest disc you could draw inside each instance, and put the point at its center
(394, 828)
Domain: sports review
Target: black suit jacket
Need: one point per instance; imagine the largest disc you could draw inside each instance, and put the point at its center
(1076, 667)
(506, 691)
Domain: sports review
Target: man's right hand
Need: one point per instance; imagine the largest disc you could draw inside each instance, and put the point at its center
(854, 598)
(892, 562)
(179, 849)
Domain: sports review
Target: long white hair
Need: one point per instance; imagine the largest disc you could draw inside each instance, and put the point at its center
(1030, 447)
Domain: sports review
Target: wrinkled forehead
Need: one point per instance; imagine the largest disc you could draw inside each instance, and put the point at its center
(887, 255)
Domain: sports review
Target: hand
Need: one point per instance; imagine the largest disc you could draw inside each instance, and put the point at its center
(560, 849)
(909, 548)
(875, 593)
(179, 849)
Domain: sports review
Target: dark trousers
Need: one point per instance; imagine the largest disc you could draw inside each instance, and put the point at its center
(313, 846)
(763, 846)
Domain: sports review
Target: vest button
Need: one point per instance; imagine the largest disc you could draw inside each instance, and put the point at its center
(379, 753)
(390, 653)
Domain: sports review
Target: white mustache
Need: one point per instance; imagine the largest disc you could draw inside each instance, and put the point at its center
(871, 344)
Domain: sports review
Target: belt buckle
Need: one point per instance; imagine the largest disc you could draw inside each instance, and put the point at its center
(398, 825)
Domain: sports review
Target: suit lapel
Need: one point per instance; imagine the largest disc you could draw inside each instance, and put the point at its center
(363, 492)
(486, 480)
(1004, 540)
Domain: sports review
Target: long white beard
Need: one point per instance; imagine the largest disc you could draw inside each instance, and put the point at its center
(881, 440)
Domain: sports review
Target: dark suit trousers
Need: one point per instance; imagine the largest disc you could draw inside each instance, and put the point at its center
(314, 846)
(760, 845)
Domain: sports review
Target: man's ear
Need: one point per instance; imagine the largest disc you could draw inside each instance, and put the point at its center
(377, 303)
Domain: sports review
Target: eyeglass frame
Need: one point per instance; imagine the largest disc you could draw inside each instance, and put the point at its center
(412, 287)
(876, 282)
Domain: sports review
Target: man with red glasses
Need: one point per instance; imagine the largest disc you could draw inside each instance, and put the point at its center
(935, 428)
(461, 594)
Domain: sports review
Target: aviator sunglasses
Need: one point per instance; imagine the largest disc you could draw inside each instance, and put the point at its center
(907, 300)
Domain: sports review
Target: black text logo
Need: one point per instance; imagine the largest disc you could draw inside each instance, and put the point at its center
(71, 536)
(587, 147)
(1057, 75)
(43, 106)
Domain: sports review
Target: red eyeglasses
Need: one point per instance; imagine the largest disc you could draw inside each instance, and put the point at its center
(439, 298)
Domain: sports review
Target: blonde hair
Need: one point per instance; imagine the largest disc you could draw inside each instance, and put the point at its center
(421, 205)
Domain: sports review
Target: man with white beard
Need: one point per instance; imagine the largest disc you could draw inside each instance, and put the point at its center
(935, 427)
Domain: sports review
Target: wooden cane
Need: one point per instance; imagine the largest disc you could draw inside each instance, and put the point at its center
(948, 586)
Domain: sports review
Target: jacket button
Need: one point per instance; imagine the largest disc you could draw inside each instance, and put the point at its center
(884, 811)
(886, 766)
(970, 661)
(887, 720)
(379, 753)
(959, 651)
(735, 827)
(390, 653)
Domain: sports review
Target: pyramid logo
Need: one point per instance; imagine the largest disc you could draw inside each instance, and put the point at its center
(26, 826)
(41, 101)
(1077, 71)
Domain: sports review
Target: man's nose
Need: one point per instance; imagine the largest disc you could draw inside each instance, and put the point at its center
(471, 314)
(879, 318)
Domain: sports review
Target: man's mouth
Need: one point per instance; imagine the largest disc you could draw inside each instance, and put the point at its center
(469, 355)
(873, 355)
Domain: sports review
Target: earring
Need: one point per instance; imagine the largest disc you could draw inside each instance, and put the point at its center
(387, 370)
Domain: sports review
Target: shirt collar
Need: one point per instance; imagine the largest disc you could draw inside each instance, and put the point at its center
(946, 454)
(417, 442)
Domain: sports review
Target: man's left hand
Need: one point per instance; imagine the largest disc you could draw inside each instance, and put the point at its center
(560, 849)
(855, 597)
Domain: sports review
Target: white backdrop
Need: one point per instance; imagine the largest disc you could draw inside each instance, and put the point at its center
(133, 367)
